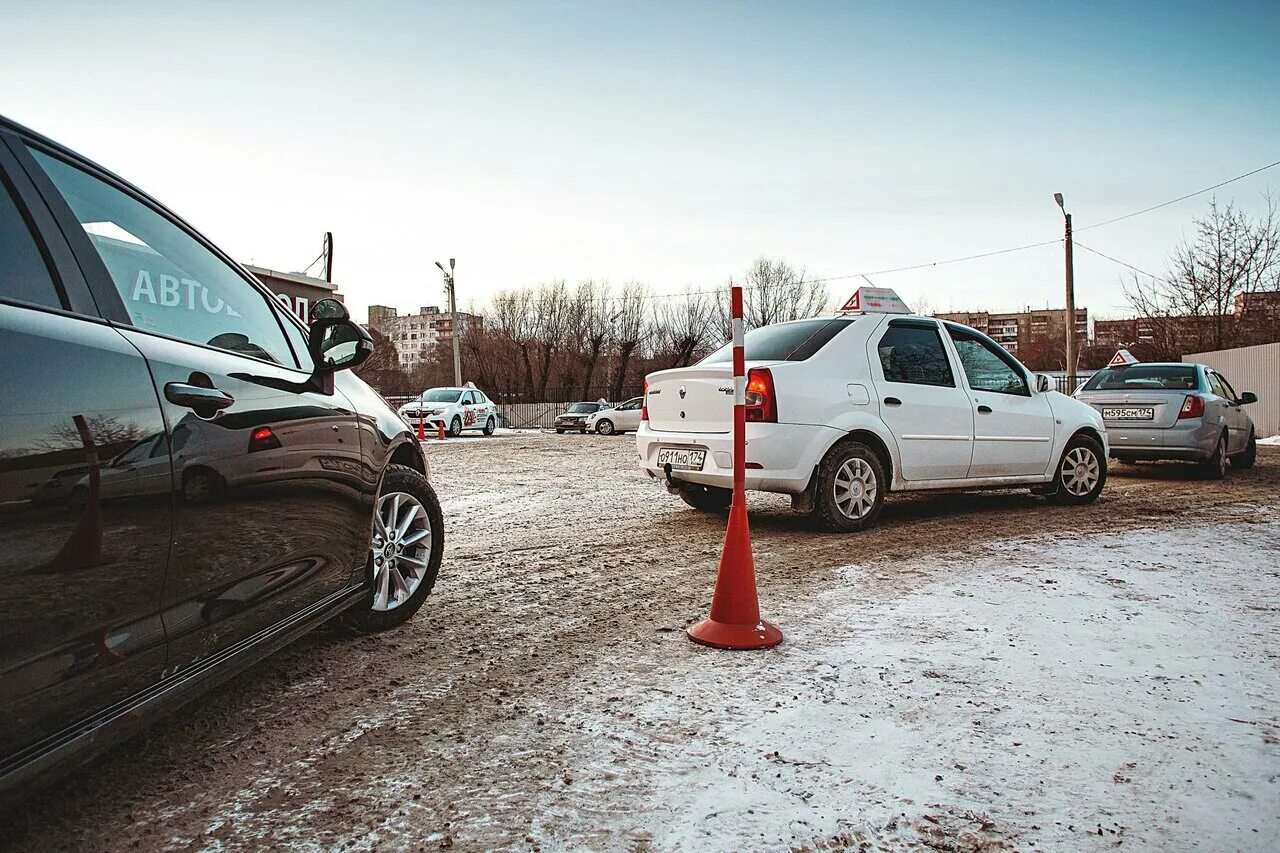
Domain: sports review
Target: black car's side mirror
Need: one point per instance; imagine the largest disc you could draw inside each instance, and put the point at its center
(336, 343)
(1247, 397)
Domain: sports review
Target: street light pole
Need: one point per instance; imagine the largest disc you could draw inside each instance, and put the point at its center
(453, 320)
(1071, 298)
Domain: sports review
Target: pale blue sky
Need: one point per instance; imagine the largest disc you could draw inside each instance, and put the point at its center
(669, 143)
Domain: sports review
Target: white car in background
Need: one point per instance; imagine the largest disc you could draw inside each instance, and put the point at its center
(624, 417)
(458, 409)
(843, 409)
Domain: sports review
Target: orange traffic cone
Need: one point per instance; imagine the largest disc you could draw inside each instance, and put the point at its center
(440, 435)
(422, 433)
(735, 621)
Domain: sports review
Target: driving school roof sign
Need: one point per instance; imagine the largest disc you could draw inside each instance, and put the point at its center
(878, 300)
(1122, 358)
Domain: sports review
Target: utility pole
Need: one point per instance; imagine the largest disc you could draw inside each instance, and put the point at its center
(328, 256)
(1071, 299)
(453, 320)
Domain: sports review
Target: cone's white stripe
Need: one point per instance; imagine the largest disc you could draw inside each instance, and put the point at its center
(739, 390)
(737, 331)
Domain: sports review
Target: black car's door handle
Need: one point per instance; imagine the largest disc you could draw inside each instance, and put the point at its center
(195, 397)
(892, 401)
(984, 410)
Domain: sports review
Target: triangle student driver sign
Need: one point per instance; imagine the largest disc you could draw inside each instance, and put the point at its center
(875, 300)
(1122, 358)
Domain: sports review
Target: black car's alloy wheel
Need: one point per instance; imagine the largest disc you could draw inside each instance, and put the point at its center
(405, 547)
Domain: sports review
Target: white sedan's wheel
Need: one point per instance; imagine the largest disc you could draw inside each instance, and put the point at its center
(854, 488)
(604, 426)
(1080, 471)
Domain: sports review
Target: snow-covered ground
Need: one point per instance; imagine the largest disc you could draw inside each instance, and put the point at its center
(1273, 441)
(1089, 692)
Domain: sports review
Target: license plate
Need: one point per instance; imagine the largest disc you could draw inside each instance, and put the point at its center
(681, 459)
(1128, 413)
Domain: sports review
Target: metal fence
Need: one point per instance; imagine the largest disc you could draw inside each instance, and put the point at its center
(1255, 369)
(538, 410)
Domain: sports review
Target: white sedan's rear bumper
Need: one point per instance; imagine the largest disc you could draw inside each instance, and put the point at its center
(780, 457)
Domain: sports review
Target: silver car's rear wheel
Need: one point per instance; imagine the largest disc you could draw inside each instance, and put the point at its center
(400, 548)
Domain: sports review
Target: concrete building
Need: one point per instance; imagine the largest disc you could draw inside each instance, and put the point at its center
(1017, 329)
(415, 334)
(295, 291)
(1254, 319)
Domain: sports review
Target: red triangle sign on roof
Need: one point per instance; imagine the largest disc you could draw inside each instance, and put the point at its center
(1122, 358)
(854, 303)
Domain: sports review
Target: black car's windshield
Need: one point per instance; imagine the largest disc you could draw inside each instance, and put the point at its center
(784, 342)
(441, 396)
(583, 408)
(1149, 377)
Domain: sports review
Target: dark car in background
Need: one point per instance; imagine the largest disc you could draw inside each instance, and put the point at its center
(189, 477)
(574, 419)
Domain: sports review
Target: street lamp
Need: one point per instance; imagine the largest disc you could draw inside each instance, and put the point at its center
(453, 320)
(1071, 298)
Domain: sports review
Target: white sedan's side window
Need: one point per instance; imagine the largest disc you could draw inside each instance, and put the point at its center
(987, 369)
(912, 353)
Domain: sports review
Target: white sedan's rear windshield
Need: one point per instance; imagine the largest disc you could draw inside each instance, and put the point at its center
(785, 342)
(1150, 377)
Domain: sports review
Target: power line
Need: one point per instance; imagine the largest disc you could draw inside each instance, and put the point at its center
(991, 254)
(1179, 198)
(1120, 262)
(1050, 242)
(938, 263)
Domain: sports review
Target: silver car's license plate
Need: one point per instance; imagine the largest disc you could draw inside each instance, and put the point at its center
(1128, 413)
(681, 458)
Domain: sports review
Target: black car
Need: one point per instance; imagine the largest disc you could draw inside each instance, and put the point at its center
(574, 419)
(189, 477)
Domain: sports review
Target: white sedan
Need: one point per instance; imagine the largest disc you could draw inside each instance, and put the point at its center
(842, 409)
(624, 417)
(457, 409)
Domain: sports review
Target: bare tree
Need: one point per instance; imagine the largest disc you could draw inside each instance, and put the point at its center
(1231, 254)
(682, 328)
(774, 292)
(629, 326)
(587, 330)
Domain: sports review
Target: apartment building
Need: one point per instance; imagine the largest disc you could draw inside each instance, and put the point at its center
(1018, 328)
(416, 334)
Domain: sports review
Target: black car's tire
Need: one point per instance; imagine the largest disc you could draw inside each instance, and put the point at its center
(1086, 449)
(1215, 467)
(559, 432)
(1249, 456)
(362, 617)
(706, 498)
(838, 467)
(490, 425)
(200, 485)
(455, 426)
(604, 426)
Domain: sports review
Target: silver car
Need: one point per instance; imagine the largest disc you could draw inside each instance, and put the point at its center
(1173, 411)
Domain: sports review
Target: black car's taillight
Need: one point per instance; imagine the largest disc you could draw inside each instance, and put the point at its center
(263, 438)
